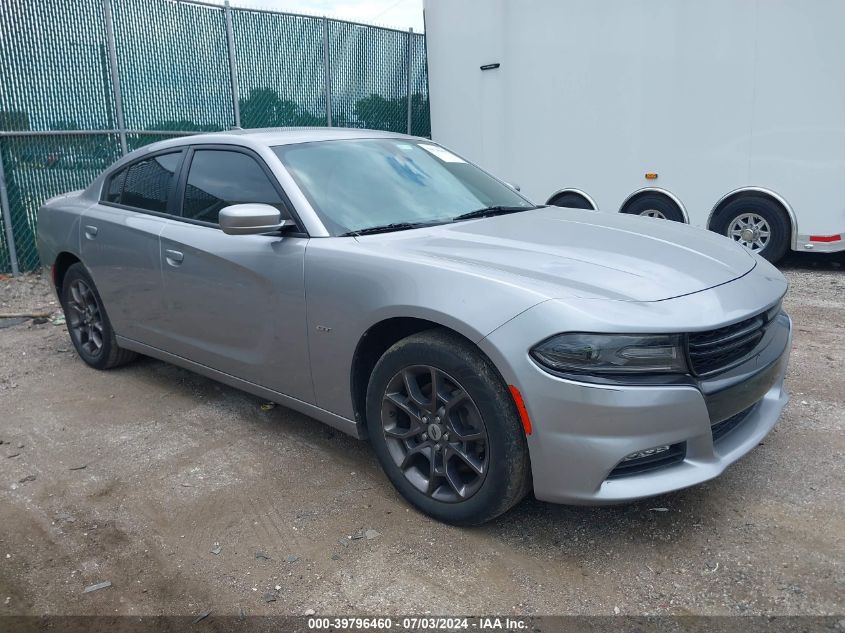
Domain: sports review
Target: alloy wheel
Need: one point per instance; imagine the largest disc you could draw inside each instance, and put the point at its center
(85, 318)
(435, 433)
(750, 230)
(653, 213)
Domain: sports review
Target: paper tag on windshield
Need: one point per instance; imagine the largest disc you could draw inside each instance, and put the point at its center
(443, 154)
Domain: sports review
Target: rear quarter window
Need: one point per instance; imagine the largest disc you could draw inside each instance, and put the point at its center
(146, 184)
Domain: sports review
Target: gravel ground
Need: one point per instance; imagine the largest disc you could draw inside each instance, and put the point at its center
(188, 496)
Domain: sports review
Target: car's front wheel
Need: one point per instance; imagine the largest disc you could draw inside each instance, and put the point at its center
(446, 430)
(87, 321)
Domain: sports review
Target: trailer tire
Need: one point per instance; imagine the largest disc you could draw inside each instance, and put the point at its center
(571, 200)
(758, 223)
(654, 205)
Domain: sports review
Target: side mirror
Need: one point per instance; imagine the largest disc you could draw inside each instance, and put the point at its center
(513, 186)
(251, 219)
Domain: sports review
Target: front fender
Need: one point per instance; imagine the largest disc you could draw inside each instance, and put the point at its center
(349, 291)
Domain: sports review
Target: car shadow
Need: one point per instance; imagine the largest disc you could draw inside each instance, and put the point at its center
(580, 530)
(270, 417)
(670, 518)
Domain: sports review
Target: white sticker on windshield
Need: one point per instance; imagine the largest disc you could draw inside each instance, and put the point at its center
(443, 154)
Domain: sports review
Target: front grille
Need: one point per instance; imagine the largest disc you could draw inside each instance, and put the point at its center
(715, 350)
(721, 429)
(675, 455)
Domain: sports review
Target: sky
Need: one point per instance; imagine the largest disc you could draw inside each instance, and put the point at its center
(399, 14)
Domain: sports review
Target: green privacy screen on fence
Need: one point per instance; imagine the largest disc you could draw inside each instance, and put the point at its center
(82, 81)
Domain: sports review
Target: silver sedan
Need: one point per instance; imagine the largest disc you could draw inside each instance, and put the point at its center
(384, 285)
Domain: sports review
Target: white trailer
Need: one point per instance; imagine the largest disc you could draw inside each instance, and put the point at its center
(726, 114)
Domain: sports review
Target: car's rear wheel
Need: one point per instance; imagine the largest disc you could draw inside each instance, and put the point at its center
(446, 429)
(87, 321)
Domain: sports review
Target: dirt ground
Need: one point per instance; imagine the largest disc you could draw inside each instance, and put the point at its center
(187, 496)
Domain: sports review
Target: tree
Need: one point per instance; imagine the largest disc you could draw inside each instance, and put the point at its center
(14, 120)
(377, 113)
(265, 108)
(169, 125)
(183, 125)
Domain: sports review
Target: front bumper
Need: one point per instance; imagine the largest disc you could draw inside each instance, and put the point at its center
(583, 431)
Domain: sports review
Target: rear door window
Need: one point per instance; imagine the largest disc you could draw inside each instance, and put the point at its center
(115, 187)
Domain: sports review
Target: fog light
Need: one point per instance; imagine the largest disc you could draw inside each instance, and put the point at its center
(647, 453)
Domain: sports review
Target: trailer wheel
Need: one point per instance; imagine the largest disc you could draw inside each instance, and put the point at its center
(572, 200)
(654, 205)
(756, 222)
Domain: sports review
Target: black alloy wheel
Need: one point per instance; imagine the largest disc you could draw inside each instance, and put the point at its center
(435, 433)
(88, 323)
(446, 429)
(85, 319)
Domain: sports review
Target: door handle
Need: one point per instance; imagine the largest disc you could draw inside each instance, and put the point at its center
(90, 231)
(174, 258)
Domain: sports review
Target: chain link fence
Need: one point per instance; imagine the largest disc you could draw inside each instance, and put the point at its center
(82, 82)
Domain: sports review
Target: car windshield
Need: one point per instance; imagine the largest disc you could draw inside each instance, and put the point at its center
(392, 183)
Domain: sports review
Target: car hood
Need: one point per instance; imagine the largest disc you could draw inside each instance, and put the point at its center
(558, 252)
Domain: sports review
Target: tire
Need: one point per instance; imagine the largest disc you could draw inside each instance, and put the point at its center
(760, 214)
(480, 407)
(87, 322)
(654, 205)
(571, 200)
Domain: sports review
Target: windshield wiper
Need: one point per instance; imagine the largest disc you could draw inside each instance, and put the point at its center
(488, 212)
(387, 228)
(404, 226)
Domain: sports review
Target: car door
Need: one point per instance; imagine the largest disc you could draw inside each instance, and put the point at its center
(120, 243)
(235, 303)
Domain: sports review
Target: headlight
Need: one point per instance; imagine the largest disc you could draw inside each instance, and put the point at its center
(612, 353)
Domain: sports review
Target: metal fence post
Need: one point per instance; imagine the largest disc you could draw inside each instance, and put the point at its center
(408, 78)
(7, 219)
(327, 72)
(115, 76)
(233, 63)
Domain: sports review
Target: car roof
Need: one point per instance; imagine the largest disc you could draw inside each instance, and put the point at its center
(275, 136)
(256, 139)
